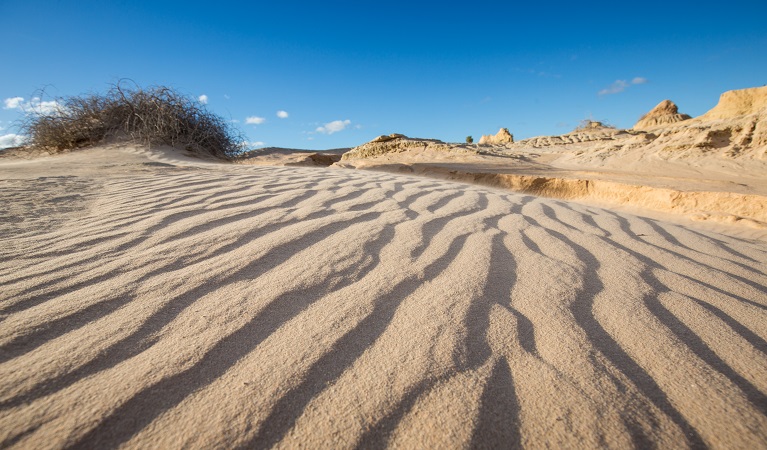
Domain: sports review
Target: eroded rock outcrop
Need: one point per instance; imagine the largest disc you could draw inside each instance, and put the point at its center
(502, 137)
(738, 103)
(665, 113)
(393, 143)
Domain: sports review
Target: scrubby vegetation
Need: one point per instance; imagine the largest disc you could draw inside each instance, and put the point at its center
(590, 124)
(155, 115)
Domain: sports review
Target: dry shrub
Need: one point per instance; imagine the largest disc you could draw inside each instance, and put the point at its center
(156, 115)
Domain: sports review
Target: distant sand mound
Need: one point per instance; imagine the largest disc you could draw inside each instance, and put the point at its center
(665, 113)
(502, 137)
(742, 102)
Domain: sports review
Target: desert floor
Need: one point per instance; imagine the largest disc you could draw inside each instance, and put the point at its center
(154, 301)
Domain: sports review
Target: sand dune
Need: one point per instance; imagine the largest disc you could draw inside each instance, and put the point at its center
(161, 303)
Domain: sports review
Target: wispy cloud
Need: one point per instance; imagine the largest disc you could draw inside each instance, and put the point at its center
(203, 99)
(252, 144)
(333, 127)
(254, 120)
(282, 114)
(621, 85)
(13, 102)
(12, 140)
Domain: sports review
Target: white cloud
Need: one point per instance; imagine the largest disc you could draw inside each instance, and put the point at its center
(253, 120)
(36, 105)
(45, 107)
(12, 140)
(333, 127)
(620, 85)
(203, 99)
(14, 102)
(617, 87)
(282, 114)
(248, 145)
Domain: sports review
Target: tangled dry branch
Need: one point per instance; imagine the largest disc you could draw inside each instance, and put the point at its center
(156, 115)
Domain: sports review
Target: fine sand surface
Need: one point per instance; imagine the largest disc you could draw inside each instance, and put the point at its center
(153, 301)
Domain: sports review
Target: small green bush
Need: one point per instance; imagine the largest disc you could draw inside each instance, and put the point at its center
(469, 139)
(156, 115)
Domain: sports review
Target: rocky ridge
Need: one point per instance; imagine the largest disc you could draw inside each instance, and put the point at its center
(399, 143)
(736, 128)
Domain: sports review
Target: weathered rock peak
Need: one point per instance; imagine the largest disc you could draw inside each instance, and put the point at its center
(502, 137)
(665, 113)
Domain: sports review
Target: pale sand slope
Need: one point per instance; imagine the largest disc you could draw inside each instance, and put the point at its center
(201, 305)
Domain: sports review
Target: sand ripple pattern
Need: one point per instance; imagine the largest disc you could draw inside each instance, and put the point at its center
(281, 307)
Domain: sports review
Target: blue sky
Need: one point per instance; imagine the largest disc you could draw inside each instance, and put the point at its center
(346, 72)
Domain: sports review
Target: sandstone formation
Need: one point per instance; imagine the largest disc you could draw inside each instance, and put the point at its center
(400, 144)
(391, 137)
(502, 137)
(739, 103)
(393, 143)
(665, 113)
(736, 128)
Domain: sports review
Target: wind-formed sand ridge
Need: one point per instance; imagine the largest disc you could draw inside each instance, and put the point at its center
(232, 306)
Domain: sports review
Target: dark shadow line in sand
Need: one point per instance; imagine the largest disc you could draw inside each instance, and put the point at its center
(498, 422)
(138, 412)
(549, 212)
(497, 291)
(79, 245)
(703, 351)
(749, 336)
(433, 226)
(501, 277)
(588, 220)
(676, 326)
(141, 339)
(582, 311)
(443, 201)
(52, 295)
(624, 223)
(52, 329)
(378, 435)
(165, 222)
(676, 243)
(687, 336)
(68, 323)
(344, 353)
(718, 242)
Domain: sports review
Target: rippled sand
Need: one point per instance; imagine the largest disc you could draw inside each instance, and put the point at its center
(168, 304)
